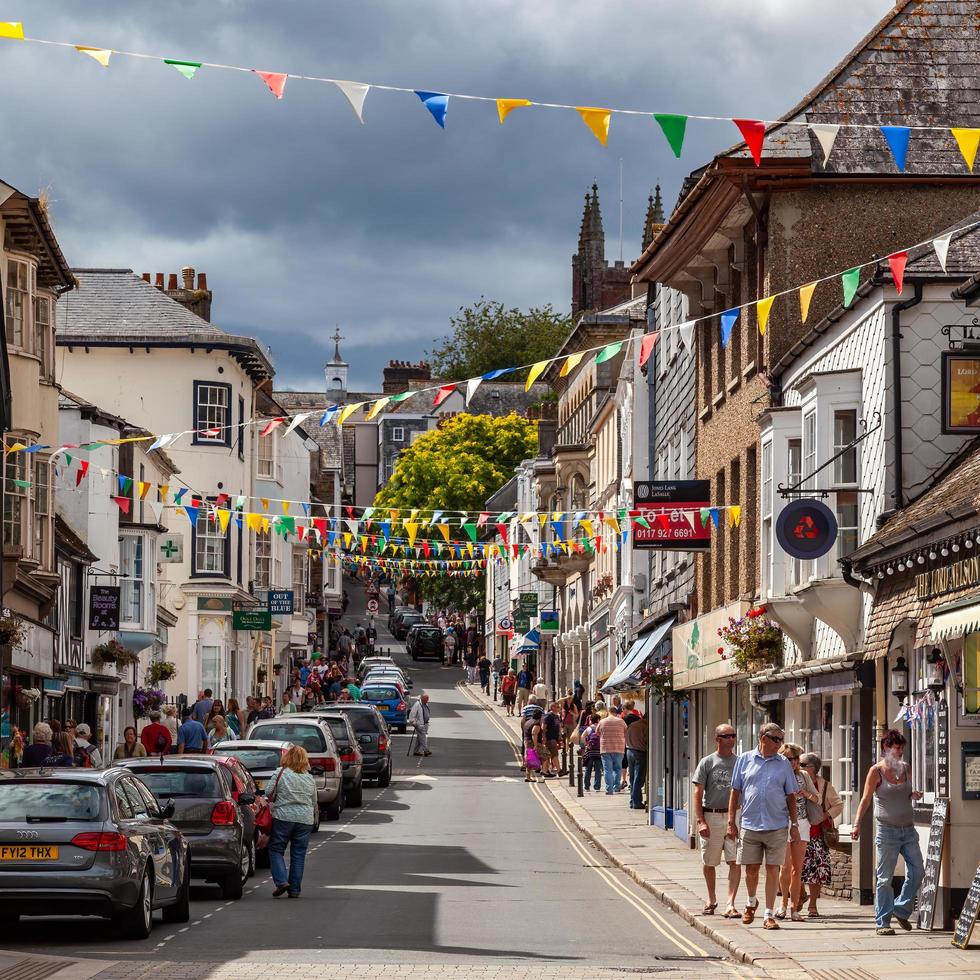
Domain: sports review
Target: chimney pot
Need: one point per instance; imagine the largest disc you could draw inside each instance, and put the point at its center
(146, 277)
(172, 282)
(159, 282)
(202, 281)
(187, 274)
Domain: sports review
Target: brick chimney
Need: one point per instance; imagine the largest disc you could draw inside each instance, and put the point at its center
(399, 375)
(198, 300)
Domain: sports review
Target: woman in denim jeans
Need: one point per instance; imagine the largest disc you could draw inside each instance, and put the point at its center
(889, 784)
(292, 795)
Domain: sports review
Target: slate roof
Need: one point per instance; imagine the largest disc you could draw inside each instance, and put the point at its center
(116, 307)
(327, 437)
(963, 258)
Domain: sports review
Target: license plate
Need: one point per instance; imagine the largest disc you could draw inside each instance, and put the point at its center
(385, 707)
(28, 852)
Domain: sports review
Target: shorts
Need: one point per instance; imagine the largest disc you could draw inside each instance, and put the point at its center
(508, 699)
(717, 842)
(552, 744)
(762, 846)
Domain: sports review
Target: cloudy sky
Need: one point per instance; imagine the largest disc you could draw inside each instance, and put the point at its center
(304, 219)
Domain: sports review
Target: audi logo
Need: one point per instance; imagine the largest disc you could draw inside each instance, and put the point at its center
(28, 835)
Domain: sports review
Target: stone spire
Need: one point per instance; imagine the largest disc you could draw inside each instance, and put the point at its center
(591, 233)
(335, 370)
(654, 219)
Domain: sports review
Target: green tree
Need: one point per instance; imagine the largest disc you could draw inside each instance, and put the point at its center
(486, 336)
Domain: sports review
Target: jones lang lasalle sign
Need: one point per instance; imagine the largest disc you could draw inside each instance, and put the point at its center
(672, 508)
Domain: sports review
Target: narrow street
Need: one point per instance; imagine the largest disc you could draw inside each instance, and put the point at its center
(458, 863)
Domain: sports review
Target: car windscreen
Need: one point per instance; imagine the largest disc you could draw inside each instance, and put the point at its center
(49, 801)
(309, 736)
(253, 759)
(170, 782)
(363, 721)
(379, 694)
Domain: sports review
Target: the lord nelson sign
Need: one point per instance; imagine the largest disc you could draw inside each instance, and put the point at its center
(951, 578)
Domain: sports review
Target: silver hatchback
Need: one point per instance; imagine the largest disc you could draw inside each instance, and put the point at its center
(89, 842)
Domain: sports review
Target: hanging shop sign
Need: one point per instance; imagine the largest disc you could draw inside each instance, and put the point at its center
(170, 548)
(599, 628)
(103, 607)
(673, 527)
(806, 529)
(548, 622)
(527, 602)
(505, 627)
(251, 619)
(281, 602)
(960, 393)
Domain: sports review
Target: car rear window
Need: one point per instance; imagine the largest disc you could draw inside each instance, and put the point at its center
(363, 721)
(168, 782)
(339, 728)
(309, 736)
(254, 759)
(430, 631)
(58, 800)
(379, 694)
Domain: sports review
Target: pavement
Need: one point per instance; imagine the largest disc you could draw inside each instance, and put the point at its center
(453, 870)
(840, 946)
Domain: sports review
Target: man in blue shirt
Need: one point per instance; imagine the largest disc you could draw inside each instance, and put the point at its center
(765, 786)
(191, 736)
(202, 707)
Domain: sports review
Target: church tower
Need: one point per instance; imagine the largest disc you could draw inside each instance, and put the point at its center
(595, 284)
(335, 371)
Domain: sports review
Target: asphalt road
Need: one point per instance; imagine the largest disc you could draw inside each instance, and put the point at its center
(457, 863)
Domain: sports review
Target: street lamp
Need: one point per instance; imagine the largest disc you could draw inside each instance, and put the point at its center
(900, 678)
(936, 679)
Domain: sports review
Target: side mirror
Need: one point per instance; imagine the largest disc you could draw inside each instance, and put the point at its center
(246, 799)
(166, 812)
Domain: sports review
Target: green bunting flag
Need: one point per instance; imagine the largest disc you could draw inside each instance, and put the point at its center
(849, 283)
(402, 396)
(608, 352)
(187, 68)
(673, 127)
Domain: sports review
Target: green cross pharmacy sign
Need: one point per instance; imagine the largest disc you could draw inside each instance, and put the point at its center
(170, 548)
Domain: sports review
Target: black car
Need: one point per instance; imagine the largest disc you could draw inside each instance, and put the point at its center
(425, 641)
(372, 735)
(405, 622)
(89, 842)
(351, 757)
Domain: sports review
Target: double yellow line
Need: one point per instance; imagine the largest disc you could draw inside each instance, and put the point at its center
(648, 912)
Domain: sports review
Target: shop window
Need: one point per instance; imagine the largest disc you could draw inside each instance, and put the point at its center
(921, 728)
(971, 674)
(15, 500)
(842, 768)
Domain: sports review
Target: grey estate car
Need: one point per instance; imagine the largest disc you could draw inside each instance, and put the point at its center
(89, 842)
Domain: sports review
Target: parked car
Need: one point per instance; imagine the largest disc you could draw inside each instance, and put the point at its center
(425, 640)
(351, 757)
(315, 735)
(219, 827)
(389, 675)
(390, 701)
(372, 735)
(245, 785)
(89, 842)
(394, 614)
(368, 662)
(405, 621)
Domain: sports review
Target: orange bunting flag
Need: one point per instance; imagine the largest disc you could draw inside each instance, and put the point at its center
(265, 503)
(101, 55)
(275, 80)
(142, 489)
(806, 294)
(597, 120)
(646, 349)
(506, 106)
(762, 309)
(444, 531)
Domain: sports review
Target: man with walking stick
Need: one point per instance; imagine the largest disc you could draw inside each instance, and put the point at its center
(418, 718)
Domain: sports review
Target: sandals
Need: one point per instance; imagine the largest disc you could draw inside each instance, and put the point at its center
(813, 914)
(709, 908)
(781, 913)
(732, 913)
(795, 916)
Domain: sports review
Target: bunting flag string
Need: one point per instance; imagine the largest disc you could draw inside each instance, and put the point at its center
(673, 126)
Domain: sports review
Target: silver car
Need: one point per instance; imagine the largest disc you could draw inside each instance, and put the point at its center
(89, 842)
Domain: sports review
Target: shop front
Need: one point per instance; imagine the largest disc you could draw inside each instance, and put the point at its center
(27, 665)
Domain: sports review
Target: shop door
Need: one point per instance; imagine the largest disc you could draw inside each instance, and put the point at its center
(659, 765)
(680, 795)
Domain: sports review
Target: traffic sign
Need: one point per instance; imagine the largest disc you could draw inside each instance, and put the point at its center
(372, 605)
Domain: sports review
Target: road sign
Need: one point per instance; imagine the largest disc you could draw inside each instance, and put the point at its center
(372, 605)
(280, 602)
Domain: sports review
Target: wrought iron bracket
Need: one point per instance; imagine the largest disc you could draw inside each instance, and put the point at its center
(963, 336)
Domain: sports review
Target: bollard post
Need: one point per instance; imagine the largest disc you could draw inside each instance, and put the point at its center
(581, 791)
(495, 678)
(564, 756)
(571, 766)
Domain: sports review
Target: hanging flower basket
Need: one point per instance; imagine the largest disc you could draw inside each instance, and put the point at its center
(13, 630)
(261, 674)
(755, 641)
(658, 674)
(161, 670)
(113, 652)
(147, 699)
(27, 696)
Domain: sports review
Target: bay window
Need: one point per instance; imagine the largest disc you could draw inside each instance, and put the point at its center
(766, 514)
(44, 334)
(18, 303)
(15, 499)
(134, 583)
(43, 531)
(846, 474)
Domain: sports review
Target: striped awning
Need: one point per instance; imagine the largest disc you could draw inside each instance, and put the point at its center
(955, 619)
(624, 677)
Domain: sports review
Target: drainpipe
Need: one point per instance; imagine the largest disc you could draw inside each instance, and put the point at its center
(897, 310)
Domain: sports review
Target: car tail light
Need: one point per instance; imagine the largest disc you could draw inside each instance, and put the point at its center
(223, 814)
(95, 841)
(402, 706)
(348, 757)
(382, 743)
(325, 762)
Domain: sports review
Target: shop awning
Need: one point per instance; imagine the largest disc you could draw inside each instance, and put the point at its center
(955, 619)
(636, 657)
(530, 643)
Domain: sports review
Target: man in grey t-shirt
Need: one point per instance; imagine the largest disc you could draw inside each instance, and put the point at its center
(712, 788)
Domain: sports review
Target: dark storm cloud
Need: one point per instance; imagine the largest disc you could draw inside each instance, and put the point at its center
(305, 219)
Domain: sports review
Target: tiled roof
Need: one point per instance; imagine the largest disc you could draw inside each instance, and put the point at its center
(327, 437)
(963, 258)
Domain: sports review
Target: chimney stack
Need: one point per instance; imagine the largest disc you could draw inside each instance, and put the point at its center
(399, 375)
(187, 274)
(159, 282)
(172, 283)
(146, 277)
(202, 281)
(198, 301)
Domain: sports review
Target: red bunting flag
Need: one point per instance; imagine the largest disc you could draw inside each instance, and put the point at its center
(502, 531)
(753, 132)
(122, 503)
(442, 394)
(223, 498)
(647, 345)
(82, 470)
(896, 262)
(275, 81)
(483, 518)
(270, 425)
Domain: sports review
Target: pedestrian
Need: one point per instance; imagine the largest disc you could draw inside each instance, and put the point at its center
(192, 737)
(528, 709)
(889, 784)
(350, 686)
(170, 721)
(508, 691)
(86, 754)
(483, 667)
(296, 693)
(637, 734)
(712, 790)
(764, 786)
(419, 718)
(569, 718)
(449, 647)
(292, 796)
(531, 730)
(591, 752)
(286, 706)
(60, 755)
(525, 681)
(217, 710)
(817, 870)
(629, 715)
(471, 661)
(612, 745)
(551, 724)
(221, 732)
(131, 748)
(156, 738)
(790, 877)
(202, 706)
(40, 747)
(540, 691)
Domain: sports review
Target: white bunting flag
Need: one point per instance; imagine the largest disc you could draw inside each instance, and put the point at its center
(689, 517)
(687, 334)
(297, 420)
(471, 387)
(156, 506)
(825, 133)
(941, 245)
(356, 93)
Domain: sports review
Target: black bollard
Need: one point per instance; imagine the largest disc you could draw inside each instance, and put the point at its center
(495, 687)
(571, 766)
(564, 757)
(581, 788)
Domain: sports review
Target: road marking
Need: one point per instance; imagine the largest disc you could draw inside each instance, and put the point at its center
(184, 929)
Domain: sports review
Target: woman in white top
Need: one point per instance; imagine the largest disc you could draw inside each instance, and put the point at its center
(790, 877)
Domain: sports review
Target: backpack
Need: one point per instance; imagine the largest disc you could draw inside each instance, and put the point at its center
(83, 756)
(592, 740)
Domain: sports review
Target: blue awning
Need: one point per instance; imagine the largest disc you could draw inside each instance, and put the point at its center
(624, 676)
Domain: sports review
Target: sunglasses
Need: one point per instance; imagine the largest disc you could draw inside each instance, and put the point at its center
(726, 735)
(775, 738)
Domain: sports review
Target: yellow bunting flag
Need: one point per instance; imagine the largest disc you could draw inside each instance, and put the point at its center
(506, 106)
(586, 526)
(377, 406)
(534, 373)
(265, 525)
(253, 522)
(411, 529)
(967, 140)
(142, 488)
(444, 531)
(806, 294)
(101, 55)
(762, 309)
(348, 537)
(162, 490)
(285, 506)
(264, 501)
(571, 363)
(597, 120)
(13, 30)
(348, 411)
(612, 522)
(224, 516)
(734, 516)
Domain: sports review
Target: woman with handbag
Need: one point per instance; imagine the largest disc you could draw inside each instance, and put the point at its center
(816, 863)
(533, 746)
(292, 796)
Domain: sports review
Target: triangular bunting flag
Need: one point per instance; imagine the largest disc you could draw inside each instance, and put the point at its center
(762, 309)
(355, 93)
(224, 516)
(728, 319)
(806, 294)
(14, 30)
(597, 120)
(754, 133)
(506, 106)
(101, 55)
(571, 363)
(967, 140)
(297, 420)
(673, 127)
(275, 80)
(442, 394)
(689, 517)
(897, 262)
(734, 515)
(897, 138)
(647, 343)
(191, 513)
(187, 68)
(437, 103)
(941, 245)
(534, 373)
(825, 133)
(849, 284)
(122, 503)
(609, 352)
(686, 333)
(348, 411)
(376, 407)
(271, 425)
(714, 516)
(471, 387)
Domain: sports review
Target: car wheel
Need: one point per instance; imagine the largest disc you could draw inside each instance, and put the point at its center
(316, 826)
(180, 911)
(385, 778)
(401, 729)
(137, 922)
(335, 809)
(233, 884)
(356, 795)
